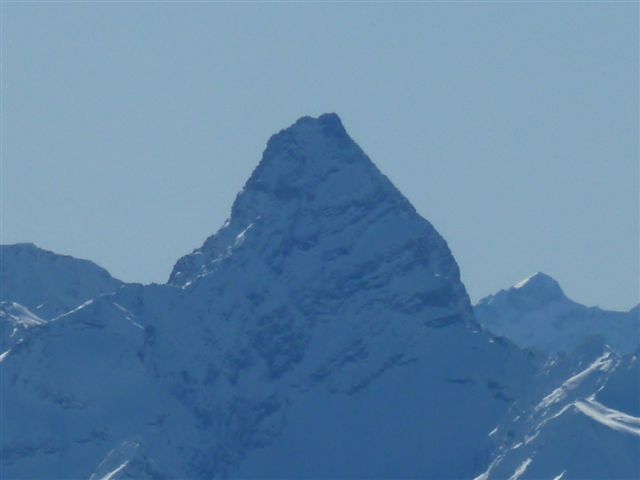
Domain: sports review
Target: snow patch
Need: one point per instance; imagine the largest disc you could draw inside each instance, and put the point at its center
(521, 469)
(241, 236)
(609, 417)
(78, 308)
(522, 283)
(4, 355)
(113, 473)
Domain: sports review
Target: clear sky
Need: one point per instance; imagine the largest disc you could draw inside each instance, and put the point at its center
(128, 128)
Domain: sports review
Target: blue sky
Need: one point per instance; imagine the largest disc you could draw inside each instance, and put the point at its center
(128, 128)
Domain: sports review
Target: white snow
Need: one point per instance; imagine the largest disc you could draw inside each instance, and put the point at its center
(561, 425)
(76, 309)
(524, 282)
(602, 363)
(15, 322)
(521, 469)
(114, 472)
(609, 417)
(4, 355)
(240, 237)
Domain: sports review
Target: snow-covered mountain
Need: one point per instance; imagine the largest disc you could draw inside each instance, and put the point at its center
(325, 304)
(49, 284)
(579, 419)
(322, 332)
(536, 313)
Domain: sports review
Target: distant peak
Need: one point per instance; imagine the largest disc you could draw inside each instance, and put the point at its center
(541, 285)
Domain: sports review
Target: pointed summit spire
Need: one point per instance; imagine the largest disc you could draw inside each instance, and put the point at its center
(321, 219)
(312, 176)
(306, 157)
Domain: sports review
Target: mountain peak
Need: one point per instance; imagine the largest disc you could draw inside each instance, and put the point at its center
(538, 288)
(312, 175)
(540, 282)
(533, 292)
(320, 218)
(307, 151)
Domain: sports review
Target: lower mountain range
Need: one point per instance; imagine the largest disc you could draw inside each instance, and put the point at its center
(322, 332)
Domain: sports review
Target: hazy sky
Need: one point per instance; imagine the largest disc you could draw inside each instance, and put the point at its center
(127, 129)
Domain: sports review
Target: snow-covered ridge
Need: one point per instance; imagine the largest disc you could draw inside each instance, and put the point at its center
(609, 417)
(603, 363)
(572, 430)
